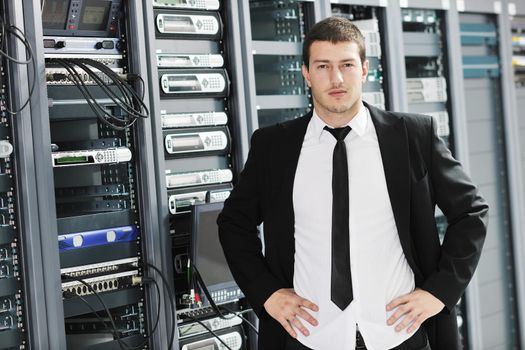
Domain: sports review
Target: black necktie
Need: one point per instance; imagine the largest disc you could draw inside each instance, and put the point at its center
(341, 282)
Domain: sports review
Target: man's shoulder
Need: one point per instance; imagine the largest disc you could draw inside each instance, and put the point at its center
(274, 132)
(414, 120)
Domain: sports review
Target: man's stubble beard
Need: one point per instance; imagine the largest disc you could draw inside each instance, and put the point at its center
(335, 109)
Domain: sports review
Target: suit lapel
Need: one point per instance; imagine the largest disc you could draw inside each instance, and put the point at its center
(291, 139)
(393, 144)
(293, 136)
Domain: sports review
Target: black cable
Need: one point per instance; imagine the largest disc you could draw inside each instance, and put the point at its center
(120, 341)
(130, 102)
(90, 288)
(99, 110)
(238, 314)
(19, 34)
(208, 329)
(116, 79)
(172, 304)
(212, 302)
(90, 307)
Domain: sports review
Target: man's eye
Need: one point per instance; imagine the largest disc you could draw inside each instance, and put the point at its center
(322, 66)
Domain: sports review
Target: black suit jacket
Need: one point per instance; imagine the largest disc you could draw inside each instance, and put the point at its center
(420, 173)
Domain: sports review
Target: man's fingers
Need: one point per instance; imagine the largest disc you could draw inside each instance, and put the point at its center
(307, 317)
(399, 312)
(398, 301)
(406, 321)
(286, 325)
(417, 323)
(295, 321)
(309, 305)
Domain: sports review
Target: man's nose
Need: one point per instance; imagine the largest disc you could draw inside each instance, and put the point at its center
(336, 76)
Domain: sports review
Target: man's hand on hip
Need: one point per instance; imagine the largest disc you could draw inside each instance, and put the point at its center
(413, 308)
(286, 307)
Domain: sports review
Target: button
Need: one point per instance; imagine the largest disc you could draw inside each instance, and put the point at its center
(108, 44)
(49, 43)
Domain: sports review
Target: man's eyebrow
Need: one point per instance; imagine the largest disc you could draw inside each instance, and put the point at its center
(328, 61)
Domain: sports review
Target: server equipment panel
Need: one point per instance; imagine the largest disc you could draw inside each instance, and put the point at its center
(277, 31)
(95, 102)
(426, 66)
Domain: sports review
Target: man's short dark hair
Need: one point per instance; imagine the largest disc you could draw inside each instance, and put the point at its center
(335, 30)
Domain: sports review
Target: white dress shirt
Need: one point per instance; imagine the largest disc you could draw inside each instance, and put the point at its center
(379, 268)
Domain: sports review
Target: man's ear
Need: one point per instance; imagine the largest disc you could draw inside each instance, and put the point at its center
(306, 75)
(364, 73)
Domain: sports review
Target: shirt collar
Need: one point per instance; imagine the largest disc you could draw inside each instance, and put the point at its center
(358, 123)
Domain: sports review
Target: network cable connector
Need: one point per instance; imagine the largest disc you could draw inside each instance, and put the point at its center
(90, 157)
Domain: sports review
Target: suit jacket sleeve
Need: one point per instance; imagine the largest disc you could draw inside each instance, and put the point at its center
(466, 212)
(238, 232)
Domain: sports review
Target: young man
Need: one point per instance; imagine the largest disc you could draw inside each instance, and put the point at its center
(347, 195)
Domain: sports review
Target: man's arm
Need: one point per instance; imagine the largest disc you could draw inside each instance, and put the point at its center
(466, 213)
(238, 232)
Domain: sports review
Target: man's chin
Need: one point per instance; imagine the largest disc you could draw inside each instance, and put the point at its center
(338, 109)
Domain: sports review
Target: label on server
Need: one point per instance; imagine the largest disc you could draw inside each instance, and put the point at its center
(188, 4)
(184, 120)
(175, 60)
(196, 142)
(187, 24)
(198, 178)
(191, 83)
(87, 157)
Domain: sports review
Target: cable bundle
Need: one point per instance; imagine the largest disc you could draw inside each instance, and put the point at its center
(126, 98)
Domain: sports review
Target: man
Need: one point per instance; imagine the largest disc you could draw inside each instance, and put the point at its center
(347, 195)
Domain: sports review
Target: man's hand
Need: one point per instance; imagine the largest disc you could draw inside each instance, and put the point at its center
(284, 306)
(415, 307)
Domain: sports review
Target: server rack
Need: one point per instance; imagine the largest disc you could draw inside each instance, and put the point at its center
(483, 96)
(63, 122)
(198, 133)
(13, 299)
(99, 215)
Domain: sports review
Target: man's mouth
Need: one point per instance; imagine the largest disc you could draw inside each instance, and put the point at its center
(337, 93)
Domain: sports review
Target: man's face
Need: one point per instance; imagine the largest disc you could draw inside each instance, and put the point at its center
(335, 77)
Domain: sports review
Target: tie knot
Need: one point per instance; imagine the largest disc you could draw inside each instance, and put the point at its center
(339, 133)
